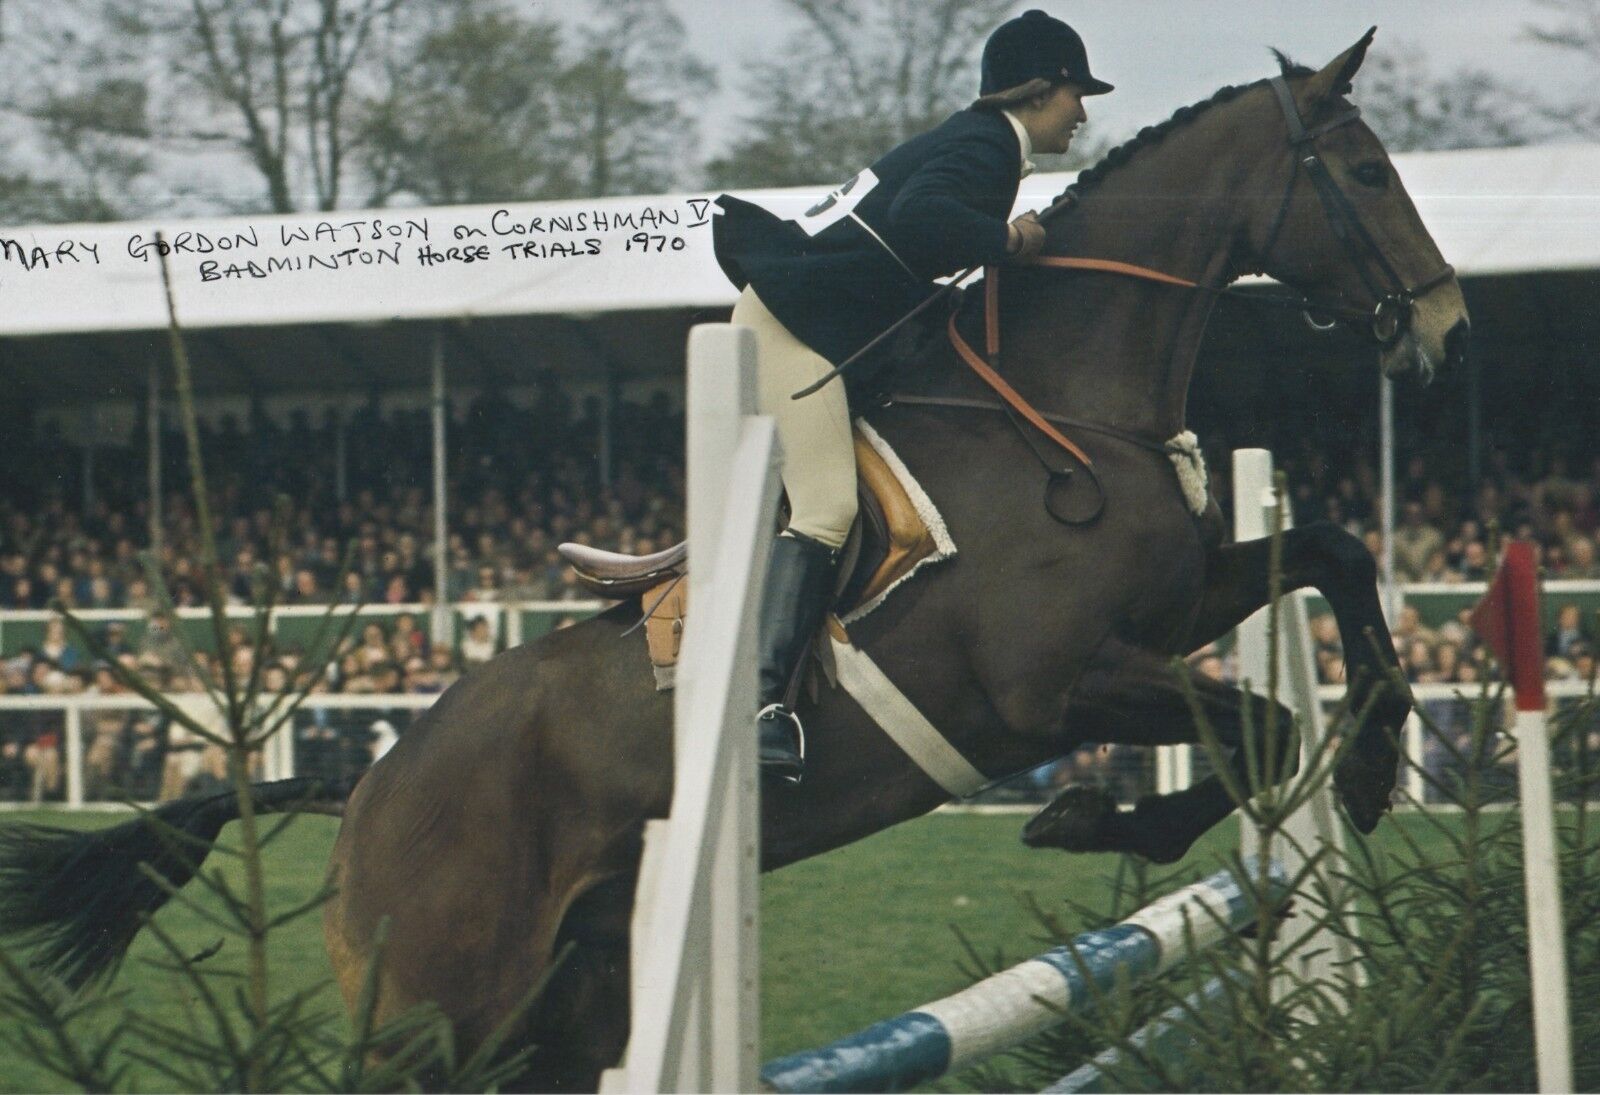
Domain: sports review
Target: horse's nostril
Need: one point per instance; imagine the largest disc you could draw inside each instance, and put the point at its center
(1455, 343)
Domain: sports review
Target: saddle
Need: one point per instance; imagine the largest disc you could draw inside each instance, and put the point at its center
(890, 540)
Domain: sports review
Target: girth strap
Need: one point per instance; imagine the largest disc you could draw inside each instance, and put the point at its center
(912, 399)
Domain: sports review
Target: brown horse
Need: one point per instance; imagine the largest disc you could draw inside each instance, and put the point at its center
(507, 822)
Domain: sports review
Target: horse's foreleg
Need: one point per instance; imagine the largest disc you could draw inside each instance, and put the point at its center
(1134, 696)
(1335, 563)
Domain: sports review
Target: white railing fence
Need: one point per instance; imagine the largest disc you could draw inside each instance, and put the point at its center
(509, 621)
(84, 751)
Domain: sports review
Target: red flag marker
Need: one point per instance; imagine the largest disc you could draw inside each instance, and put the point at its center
(1508, 620)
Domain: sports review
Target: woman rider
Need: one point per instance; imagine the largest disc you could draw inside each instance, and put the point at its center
(817, 288)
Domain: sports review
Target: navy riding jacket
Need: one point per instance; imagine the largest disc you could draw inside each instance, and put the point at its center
(868, 253)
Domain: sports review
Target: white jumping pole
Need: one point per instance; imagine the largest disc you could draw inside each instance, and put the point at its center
(1316, 824)
(1508, 620)
(695, 990)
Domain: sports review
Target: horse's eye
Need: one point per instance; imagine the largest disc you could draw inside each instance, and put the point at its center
(1373, 174)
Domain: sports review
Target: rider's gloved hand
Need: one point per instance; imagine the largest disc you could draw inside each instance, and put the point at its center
(1025, 236)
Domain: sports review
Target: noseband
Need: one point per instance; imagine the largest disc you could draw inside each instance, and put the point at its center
(1391, 316)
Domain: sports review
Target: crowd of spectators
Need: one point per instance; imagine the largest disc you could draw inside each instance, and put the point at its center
(523, 477)
(521, 480)
(340, 511)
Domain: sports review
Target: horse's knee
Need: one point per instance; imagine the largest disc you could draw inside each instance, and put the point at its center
(1342, 554)
(1276, 739)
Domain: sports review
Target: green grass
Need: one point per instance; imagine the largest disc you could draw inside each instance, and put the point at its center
(849, 938)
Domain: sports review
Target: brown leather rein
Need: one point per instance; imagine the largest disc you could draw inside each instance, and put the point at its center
(984, 365)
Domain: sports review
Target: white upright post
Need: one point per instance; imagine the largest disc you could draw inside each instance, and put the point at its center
(695, 961)
(153, 456)
(442, 624)
(74, 743)
(1547, 944)
(1416, 758)
(1391, 604)
(1316, 824)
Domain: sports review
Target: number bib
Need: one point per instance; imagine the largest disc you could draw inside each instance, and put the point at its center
(839, 203)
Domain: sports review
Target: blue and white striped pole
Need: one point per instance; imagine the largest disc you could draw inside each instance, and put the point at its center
(1015, 1004)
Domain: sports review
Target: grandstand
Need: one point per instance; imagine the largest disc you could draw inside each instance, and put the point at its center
(448, 423)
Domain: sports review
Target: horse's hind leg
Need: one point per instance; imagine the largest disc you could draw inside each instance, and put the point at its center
(582, 1026)
(1337, 565)
(1134, 696)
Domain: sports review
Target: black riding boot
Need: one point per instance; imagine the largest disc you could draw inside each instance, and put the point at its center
(800, 580)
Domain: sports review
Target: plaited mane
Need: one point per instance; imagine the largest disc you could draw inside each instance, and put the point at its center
(1091, 177)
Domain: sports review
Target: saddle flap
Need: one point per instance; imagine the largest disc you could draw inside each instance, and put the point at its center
(906, 538)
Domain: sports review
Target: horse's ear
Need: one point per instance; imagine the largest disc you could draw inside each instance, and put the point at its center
(1335, 77)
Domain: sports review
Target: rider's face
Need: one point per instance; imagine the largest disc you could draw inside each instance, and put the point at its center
(1051, 118)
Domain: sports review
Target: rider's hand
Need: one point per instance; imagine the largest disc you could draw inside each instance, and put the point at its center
(1025, 236)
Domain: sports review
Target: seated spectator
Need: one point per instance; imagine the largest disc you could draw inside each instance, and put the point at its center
(487, 588)
(374, 648)
(1570, 629)
(442, 667)
(385, 677)
(1583, 662)
(1418, 662)
(1581, 562)
(1408, 627)
(1474, 564)
(396, 591)
(353, 591)
(478, 645)
(307, 589)
(159, 645)
(1447, 660)
(1415, 541)
(407, 639)
(55, 647)
(1327, 648)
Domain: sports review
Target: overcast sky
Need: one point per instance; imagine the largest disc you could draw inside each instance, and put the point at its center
(1162, 54)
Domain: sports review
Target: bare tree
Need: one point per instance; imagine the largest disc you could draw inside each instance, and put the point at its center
(1411, 109)
(76, 131)
(1575, 32)
(627, 98)
(470, 114)
(268, 81)
(861, 77)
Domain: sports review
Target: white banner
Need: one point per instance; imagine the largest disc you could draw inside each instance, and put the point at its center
(1492, 211)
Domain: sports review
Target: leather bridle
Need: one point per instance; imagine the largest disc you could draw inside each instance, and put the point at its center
(1391, 315)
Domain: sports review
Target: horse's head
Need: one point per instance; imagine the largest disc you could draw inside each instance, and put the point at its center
(1343, 230)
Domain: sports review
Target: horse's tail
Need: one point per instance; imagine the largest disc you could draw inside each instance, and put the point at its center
(77, 899)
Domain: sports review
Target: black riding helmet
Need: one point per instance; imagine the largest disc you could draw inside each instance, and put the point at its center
(1031, 48)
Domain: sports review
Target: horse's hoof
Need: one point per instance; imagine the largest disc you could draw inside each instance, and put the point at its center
(1075, 820)
(1366, 787)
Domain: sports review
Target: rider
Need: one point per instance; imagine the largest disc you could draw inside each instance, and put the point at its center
(817, 288)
